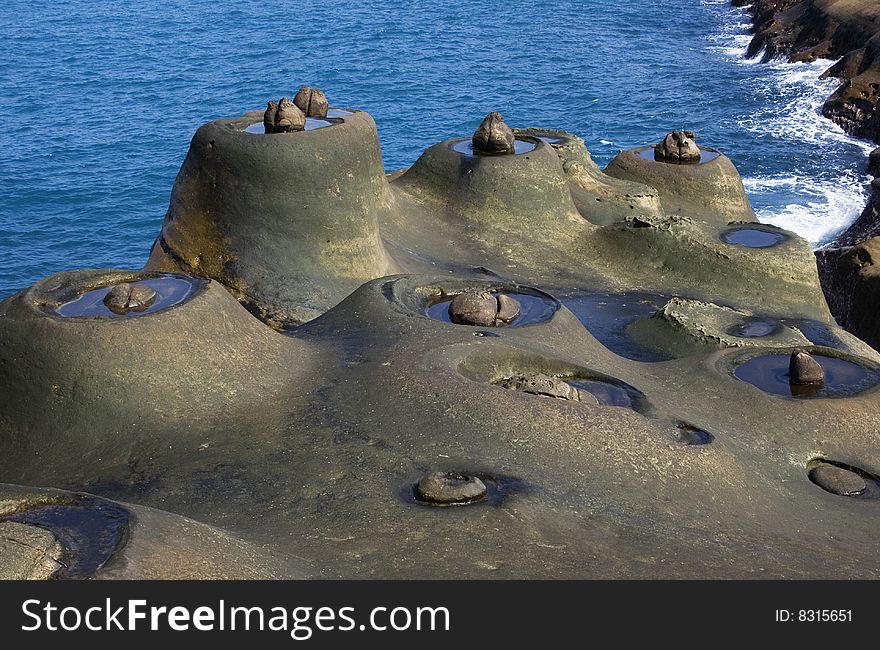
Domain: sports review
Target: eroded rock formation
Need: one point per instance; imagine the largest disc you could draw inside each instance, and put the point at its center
(297, 381)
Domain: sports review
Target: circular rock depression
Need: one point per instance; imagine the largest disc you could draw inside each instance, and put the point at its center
(706, 155)
(466, 147)
(312, 123)
(843, 480)
(844, 375)
(753, 237)
(169, 289)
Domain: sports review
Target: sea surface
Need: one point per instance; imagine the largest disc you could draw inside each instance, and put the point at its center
(98, 100)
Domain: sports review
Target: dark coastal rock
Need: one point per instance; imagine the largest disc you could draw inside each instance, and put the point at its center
(288, 117)
(125, 297)
(865, 227)
(494, 136)
(838, 480)
(540, 383)
(874, 163)
(850, 277)
(449, 488)
(311, 101)
(804, 370)
(805, 30)
(483, 309)
(678, 146)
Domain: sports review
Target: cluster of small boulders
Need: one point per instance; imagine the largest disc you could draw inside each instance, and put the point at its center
(286, 116)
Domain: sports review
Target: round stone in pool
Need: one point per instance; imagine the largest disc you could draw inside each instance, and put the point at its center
(532, 308)
(312, 123)
(706, 155)
(752, 237)
(170, 290)
(466, 147)
(769, 372)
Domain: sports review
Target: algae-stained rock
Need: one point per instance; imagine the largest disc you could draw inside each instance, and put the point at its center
(601, 199)
(146, 389)
(315, 444)
(685, 326)
(288, 222)
(27, 552)
(711, 191)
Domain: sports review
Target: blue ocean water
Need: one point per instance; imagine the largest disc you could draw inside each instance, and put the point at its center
(98, 100)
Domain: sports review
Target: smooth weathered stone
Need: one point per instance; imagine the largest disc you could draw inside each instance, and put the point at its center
(451, 488)
(311, 101)
(543, 384)
(126, 297)
(508, 309)
(474, 308)
(483, 309)
(269, 117)
(838, 480)
(288, 117)
(678, 146)
(803, 369)
(494, 136)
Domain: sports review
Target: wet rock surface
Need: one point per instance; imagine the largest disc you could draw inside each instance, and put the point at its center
(678, 147)
(493, 136)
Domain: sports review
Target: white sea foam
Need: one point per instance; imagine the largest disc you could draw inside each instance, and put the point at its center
(819, 210)
(817, 207)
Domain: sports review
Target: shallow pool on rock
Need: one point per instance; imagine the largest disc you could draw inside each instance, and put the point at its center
(769, 372)
(532, 308)
(706, 155)
(752, 237)
(466, 147)
(170, 290)
(312, 123)
(606, 316)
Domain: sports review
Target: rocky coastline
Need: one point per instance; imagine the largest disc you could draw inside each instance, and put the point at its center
(502, 361)
(849, 31)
